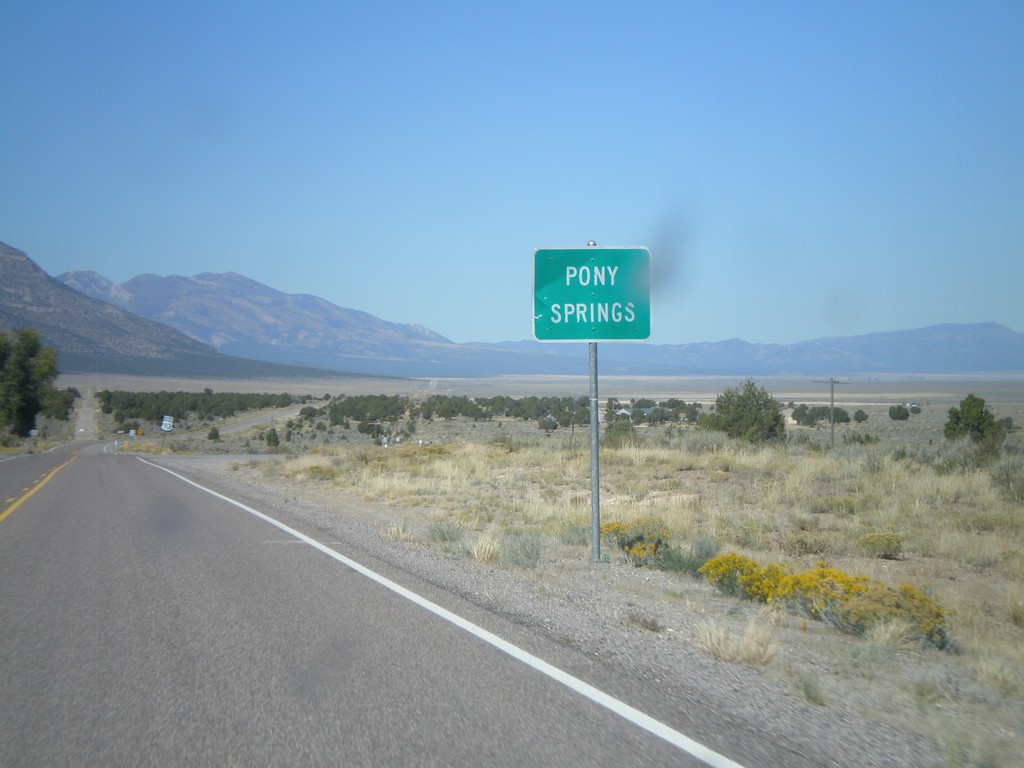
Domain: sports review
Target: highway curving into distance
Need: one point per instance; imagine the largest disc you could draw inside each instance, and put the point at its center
(147, 621)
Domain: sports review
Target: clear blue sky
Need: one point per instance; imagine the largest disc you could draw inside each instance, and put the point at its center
(798, 170)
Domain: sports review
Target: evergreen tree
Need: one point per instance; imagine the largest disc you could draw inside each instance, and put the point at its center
(748, 412)
(899, 412)
(973, 419)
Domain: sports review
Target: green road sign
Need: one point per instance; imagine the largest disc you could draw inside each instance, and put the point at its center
(591, 294)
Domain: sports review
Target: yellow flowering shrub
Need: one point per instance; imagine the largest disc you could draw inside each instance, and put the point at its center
(739, 576)
(816, 591)
(762, 586)
(850, 603)
(727, 572)
(638, 541)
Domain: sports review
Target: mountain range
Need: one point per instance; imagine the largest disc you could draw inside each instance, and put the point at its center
(226, 324)
(95, 336)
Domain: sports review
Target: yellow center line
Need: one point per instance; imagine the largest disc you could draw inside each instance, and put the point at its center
(40, 484)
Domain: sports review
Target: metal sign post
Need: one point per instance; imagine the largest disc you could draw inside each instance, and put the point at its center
(167, 425)
(591, 294)
(595, 462)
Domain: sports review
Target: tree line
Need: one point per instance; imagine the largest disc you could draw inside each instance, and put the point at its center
(549, 412)
(749, 412)
(392, 408)
(28, 370)
(203, 406)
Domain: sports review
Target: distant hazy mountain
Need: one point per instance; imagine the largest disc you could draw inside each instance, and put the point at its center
(241, 316)
(235, 314)
(91, 335)
(955, 349)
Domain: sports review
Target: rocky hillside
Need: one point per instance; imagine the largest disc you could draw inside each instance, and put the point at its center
(235, 314)
(239, 316)
(91, 335)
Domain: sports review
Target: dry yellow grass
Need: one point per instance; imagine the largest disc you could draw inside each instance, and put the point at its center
(486, 549)
(397, 532)
(753, 646)
(957, 535)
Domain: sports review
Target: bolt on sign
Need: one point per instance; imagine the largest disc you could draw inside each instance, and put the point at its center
(591, 294)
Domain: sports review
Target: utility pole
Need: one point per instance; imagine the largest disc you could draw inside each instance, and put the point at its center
(832, 404)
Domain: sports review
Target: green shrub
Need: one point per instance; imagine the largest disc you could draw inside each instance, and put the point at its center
(322, 472)
(446, 532)
(810, 689)
(576, 535)
(620, 433)
(701, 441)
(521, 552)
(803, 543)
(961, 456)
(899, 412)
(747, 412)
(844, 506)
(434, 451)
(887, 546)
(1008, 477)
(1015, 611)
(854, 438)
(974, 420)
(690, 560)
(880, 603)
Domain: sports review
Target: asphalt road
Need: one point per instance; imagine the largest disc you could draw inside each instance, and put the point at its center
(144, 621)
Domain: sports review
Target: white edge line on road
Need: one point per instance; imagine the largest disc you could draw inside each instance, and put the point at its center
(620, 708)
